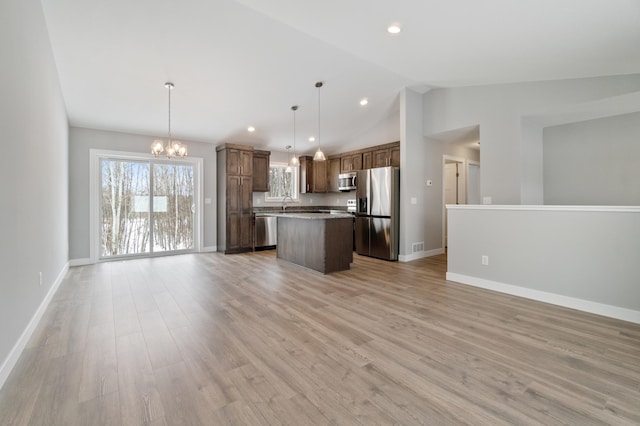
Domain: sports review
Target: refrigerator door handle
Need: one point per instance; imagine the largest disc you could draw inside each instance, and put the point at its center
(362, 206)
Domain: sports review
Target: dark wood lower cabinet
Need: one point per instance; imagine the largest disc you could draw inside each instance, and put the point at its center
(239, 232)
(324, 245)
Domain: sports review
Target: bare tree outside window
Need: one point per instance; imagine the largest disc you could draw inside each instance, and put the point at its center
(283, 182)
(127, 210)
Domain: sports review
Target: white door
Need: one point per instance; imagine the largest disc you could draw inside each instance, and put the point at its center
(454, 188)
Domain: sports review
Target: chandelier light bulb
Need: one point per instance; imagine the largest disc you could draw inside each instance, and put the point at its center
(157, 148)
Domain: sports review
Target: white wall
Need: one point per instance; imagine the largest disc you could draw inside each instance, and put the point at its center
(82, 140)
(385, 130)
(511, 171)
(511, 118)
(580, 258)
(461, 151)
(594, 162)
(33, 171)
(415, 166)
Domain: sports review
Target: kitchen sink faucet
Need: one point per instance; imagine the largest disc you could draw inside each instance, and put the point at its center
(284, 202)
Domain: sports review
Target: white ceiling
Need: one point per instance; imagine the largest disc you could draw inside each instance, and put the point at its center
(245, 62)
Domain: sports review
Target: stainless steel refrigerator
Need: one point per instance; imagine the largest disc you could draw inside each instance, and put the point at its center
(377, 212)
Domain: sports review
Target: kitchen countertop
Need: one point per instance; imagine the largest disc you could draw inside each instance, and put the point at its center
(309, 215)
(299, 209)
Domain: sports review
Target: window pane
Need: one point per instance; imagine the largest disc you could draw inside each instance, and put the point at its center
(173, 207)
(282, 182)
(125, 217)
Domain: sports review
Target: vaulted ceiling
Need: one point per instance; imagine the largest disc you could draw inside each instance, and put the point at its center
(245, 62)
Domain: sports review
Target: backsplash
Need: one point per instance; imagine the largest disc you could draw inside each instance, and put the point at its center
(328, 199)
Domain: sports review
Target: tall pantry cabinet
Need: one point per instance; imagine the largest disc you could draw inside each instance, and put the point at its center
(235, 198)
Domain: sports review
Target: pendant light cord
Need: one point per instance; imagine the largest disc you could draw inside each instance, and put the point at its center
(169, 89)
(319, 115)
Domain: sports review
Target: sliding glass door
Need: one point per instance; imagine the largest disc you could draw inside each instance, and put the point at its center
(173, 207)
(146, 207)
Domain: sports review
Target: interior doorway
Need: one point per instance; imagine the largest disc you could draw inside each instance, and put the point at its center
(473, 182)
(454, 178)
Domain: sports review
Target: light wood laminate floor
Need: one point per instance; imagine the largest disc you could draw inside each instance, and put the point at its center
(251, 340)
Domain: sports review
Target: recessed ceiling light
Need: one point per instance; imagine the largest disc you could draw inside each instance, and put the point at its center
(312, 139)
(394, 29)
(251, 129)
(364, 101)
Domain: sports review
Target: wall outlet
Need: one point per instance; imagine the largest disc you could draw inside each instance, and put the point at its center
(41, 279)
(414, 200)
(486, 200)
(485, 260)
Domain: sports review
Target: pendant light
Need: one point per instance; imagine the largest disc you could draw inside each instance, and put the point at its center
(319, 156)
(173, 148)
(289, 165)
(293, 161)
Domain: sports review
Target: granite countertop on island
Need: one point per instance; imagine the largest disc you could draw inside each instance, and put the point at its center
(295, 208)
(310, 215)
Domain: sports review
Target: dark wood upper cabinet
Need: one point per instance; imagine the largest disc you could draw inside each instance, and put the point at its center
(261, 171)
(239, 161)
(351, 162)
(306, 174)
(320, 176)
(386, 155)
(313, 175)
(367, 160)
(333, 171)
(395, 155)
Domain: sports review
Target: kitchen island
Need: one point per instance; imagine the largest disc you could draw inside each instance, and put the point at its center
(318, 241)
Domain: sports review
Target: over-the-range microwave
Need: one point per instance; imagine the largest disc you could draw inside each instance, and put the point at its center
(347, 181)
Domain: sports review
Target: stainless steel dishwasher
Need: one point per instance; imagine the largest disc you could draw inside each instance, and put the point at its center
(265, 231)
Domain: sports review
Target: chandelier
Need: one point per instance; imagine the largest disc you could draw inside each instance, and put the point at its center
(173, 148)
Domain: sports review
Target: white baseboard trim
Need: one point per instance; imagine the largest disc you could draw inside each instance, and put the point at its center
(209, 249)
(419, 255)
(17, 349)
(81, 262)
(552, 298)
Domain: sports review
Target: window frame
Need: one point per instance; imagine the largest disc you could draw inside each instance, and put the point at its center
(95, 200)
(295, 195)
